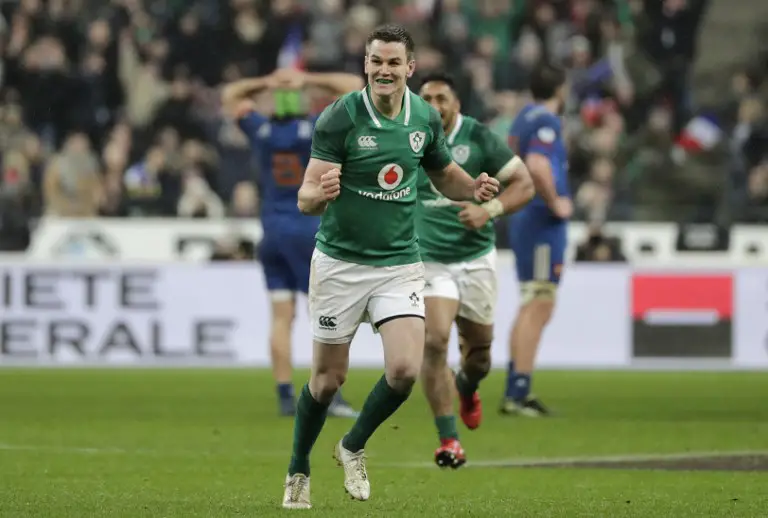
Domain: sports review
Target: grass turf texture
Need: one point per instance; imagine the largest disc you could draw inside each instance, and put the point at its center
(208, 443)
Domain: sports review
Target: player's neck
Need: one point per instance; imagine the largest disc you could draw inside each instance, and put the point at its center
(552, 105)
(448, 129)
(389, 106)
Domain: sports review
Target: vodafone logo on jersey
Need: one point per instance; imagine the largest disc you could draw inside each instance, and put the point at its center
(390, 176)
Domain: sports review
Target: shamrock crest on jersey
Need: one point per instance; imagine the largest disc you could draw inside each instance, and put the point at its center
(417, 139)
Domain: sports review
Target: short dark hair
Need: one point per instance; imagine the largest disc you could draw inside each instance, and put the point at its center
(440, 77)
(545, 80)
(391, 33)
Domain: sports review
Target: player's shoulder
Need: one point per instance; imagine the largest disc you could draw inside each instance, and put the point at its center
(339, 115)
(473, 127)
(540, 117)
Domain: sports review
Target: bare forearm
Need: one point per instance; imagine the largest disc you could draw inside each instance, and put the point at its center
(311, 200)
(242, 89)
(543, 181)
(516, 194)
(454, 183)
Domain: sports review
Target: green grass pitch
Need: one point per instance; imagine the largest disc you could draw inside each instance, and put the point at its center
(207, 443)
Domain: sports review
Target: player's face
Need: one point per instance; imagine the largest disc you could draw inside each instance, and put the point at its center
(387, 67)
(442, 99)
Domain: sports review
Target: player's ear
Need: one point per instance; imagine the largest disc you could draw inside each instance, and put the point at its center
(365, 63)
(411, 68)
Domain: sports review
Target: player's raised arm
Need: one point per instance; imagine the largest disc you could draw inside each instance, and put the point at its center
(322, 183)
(447, 176)
(322, 178)
(237, 97)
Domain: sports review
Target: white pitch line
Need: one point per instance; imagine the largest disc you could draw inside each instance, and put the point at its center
(607, 459)
(85, 450)
(494, 463)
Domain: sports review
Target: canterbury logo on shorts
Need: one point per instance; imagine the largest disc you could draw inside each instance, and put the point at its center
(327, 322)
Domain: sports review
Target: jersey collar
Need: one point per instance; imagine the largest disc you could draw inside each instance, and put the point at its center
(456, 128)
(372, 111)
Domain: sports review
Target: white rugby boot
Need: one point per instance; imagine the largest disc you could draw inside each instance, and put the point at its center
(296, 494)
(355, 475)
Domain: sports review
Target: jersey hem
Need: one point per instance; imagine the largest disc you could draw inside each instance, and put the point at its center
(427, 258)
(393, 260)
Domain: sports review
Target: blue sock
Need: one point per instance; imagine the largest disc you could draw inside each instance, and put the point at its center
(285, 391)
(521, 387)
(510, 379)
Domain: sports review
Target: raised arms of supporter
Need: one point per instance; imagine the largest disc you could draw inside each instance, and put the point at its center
(322, 178)
(447, 176)
(237, 97)
(338, 83)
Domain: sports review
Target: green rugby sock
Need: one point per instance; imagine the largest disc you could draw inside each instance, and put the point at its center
(381, 403)
(310, 418)
(446, 427)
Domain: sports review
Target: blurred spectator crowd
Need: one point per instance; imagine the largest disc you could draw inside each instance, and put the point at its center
(111, 107)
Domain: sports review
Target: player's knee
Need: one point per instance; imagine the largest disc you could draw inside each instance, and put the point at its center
(436, 344)
(325, 383)
(477, 361)
(401, 376)
(283, 312)
(435, 350)
(539, 297)
(540, 309)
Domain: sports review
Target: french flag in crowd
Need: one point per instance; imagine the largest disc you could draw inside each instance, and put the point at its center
(702, 133)
(290, 55)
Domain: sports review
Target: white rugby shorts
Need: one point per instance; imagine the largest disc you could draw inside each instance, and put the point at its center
(342, 295)
(473, 283)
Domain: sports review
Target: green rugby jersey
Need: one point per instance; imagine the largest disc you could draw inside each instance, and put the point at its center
(372, 221)
(442, 237)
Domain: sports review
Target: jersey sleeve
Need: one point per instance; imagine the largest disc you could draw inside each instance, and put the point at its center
(436, 155)
(496, 154)
(543, 138)
(330, 135)
(250, 123)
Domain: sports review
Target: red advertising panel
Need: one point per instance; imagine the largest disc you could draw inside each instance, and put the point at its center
(682, 315)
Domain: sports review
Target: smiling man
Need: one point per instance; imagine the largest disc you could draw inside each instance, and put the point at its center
(367, 150)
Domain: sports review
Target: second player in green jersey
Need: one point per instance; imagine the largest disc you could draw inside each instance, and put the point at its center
(457, 242)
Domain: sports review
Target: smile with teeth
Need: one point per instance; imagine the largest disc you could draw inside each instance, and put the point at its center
(383, 81)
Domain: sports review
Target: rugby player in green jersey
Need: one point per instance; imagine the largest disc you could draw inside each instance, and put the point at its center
(367, 150)
(458, 247)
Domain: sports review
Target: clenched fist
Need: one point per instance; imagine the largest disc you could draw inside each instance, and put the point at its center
(485, 187)
(330, 183)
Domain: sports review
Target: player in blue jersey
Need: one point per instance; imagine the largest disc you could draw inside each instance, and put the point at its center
(280, 133)
(537, 233)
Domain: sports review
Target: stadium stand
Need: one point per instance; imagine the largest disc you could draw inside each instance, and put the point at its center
(109, 108)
